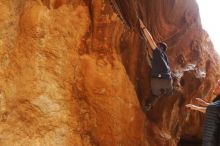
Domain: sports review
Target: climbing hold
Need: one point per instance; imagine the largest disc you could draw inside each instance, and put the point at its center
(190, 17)
(196, 50)
(181, 60)
(207, 65)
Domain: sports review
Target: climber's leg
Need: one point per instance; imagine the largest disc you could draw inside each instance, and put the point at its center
(150, 103)
(160, 87)
(156, 86)
(156, 92)
(169, 87)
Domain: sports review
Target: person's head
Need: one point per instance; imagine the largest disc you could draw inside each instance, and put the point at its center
(216, 90)
(162, 46)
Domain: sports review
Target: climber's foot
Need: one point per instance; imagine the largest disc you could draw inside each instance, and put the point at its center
(147, 107)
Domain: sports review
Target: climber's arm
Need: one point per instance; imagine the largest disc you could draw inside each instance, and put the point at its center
(147, 35)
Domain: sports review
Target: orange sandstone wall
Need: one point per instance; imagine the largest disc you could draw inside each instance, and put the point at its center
(73, 75)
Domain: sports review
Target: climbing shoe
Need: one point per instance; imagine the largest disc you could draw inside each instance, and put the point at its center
(147, 107)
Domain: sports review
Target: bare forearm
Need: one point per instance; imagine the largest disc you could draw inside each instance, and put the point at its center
(147, 35)
(149, 38)
(196, 108)
(202, 109)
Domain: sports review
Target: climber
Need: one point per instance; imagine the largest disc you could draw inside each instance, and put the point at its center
(161, 80)
(211, 128)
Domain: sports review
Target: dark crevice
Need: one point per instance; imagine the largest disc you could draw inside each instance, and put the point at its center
(89, 4)
(182, 82)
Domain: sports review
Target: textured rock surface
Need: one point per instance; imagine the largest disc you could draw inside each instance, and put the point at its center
(73, 75)
(192, 59)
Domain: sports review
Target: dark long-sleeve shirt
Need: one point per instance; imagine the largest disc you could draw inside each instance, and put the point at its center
(160, 65)
(211, 130)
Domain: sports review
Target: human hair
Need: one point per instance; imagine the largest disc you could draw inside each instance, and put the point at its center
(163, 46)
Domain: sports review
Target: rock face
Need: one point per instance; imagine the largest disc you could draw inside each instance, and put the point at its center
(72, 74)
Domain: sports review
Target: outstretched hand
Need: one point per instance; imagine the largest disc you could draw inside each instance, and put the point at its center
(192, 106)
(202, 102)
(196, 108)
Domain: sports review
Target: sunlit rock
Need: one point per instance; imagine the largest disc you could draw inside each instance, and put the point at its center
(72, 74)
